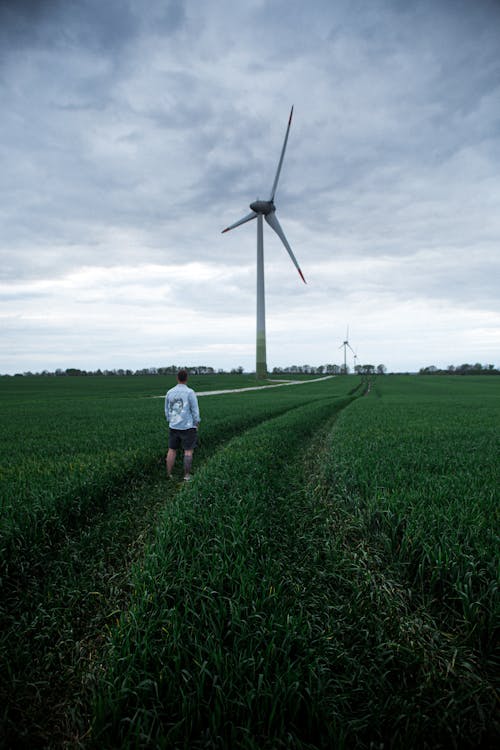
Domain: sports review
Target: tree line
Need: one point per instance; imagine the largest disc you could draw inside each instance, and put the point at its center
(466, 369)
(121, 372)
(207, 370)
(328, 369)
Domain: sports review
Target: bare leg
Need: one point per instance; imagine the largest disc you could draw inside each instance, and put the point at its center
(188, 462)
(171, 455)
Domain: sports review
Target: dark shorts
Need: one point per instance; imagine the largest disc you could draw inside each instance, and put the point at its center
(184, 438)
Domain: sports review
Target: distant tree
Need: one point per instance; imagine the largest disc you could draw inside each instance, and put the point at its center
(463, 369)
(367, 369)
(381, 369)
(332, 369)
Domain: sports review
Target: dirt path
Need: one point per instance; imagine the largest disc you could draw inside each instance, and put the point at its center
(259, 387)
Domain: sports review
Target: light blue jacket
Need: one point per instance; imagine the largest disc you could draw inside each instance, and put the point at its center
(181, 407)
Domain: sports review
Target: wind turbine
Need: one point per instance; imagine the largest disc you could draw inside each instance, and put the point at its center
(346, 344)
(267, 210)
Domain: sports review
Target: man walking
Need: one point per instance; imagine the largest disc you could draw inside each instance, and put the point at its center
(183, 416)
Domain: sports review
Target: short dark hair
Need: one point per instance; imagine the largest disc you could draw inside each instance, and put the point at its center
(182, 376)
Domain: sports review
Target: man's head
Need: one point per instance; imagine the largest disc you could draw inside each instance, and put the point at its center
(182, 376)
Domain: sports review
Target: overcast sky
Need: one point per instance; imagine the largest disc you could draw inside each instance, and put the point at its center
(133, 132)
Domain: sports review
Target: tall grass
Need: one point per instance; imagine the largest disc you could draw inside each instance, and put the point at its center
(419, 466)
(329, 580)
(69, 445)
(214, 649)
(411, 480)
(84, 481)
(278, 607)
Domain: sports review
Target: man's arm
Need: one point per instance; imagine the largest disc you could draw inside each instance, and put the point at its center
(195, 411)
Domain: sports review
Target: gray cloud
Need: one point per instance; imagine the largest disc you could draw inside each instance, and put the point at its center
(132, 135)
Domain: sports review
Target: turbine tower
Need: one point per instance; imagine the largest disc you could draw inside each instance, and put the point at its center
(267, 210)
(346, 344)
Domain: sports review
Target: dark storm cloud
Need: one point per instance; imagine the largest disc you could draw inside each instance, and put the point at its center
(22, 21)
(102, 26)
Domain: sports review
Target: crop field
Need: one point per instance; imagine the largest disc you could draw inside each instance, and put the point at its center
(329, 579)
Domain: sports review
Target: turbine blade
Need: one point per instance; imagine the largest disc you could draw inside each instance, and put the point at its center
(275, 183)
(273, 222)
(352, 350)
(251, 216)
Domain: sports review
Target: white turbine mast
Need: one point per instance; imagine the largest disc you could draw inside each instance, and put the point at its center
(347, 345)
(267, 210)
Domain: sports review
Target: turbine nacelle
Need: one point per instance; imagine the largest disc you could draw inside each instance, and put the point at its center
(263, 207)
(267, 209)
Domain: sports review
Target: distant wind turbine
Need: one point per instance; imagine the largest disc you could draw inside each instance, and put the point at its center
(266, 209)
(346, 344)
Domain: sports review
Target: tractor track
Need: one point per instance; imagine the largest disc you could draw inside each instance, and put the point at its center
(55, 630)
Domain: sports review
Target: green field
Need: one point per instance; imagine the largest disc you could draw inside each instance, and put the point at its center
(329, 578)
